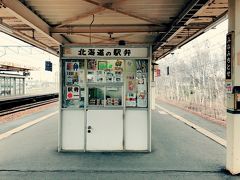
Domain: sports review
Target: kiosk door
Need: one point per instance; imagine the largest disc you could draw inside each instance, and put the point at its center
(104, 130)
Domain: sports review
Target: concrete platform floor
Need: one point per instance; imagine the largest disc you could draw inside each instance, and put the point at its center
(178, 152)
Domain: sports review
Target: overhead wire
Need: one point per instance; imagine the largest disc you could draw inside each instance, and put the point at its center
(90, 29)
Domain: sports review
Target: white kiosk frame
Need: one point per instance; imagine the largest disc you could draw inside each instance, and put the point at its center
(103, 127)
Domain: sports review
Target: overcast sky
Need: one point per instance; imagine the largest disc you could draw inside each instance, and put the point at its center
(27, 56)
(214, 39)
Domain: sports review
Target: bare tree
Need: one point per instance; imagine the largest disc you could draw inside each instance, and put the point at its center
(196, 78)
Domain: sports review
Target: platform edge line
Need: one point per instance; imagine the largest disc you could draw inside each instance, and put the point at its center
(203, 131)
(24, 126)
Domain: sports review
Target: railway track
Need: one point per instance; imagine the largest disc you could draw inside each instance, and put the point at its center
(17, 105)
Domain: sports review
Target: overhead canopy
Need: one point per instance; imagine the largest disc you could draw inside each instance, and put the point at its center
(4, 67)
(166, 24)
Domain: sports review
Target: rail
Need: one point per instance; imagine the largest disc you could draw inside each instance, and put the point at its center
(9, 106)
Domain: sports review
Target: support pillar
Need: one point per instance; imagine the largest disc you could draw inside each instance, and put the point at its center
(15, 86)
(153, 98)
(233, 114)
(153, 87)
(24, 86)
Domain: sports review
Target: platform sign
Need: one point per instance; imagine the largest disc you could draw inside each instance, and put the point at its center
(129, 52)
(229, 55)
(158, 73)
(48, 66)
(229, 87)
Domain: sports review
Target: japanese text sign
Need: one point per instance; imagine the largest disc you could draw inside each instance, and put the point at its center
(229, 57)
(105, 52)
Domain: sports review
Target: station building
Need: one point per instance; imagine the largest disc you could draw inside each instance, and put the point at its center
(12, 80)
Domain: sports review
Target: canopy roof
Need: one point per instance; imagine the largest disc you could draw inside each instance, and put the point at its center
(165, 24)
(4, 67)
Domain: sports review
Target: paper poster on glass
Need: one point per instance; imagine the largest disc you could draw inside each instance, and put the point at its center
(131, 82)
(113, 96)
(142, 99)
(142, 92)
(102, 65)
(141, 84)
(110, 76)
(101, 76)
(131, 99)
(118, 71)
(74, 103)
(91, 76)
(118, 65)
(141, 66)
(130, 66)
(91, 64)
(82, 92)
(141, 78)
(136, 83)
(72, 73)
(73, 92)
(118, 76)
(96, 96)
(81, 76)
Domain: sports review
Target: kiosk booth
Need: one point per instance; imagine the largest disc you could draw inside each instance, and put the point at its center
(105, 98)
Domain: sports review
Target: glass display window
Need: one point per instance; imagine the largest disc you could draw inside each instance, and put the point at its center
(110, 75)
(104, 71)
(74, 72)
(103, 81)
(73, 83)
(136, 77)
(75, 96)
(91, 76)
(73, 92)
(113, 96)
(96, 96)
(91, 64)
(102, 76)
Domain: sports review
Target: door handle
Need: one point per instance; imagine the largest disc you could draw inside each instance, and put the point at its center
(89, 129)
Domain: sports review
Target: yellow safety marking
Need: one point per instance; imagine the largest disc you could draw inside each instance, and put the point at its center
(197, 128)
(26, 125)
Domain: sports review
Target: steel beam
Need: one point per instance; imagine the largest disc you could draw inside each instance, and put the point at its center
(89, 13)
(217, 21)
(81, 16)
(109, 7)
(21, 12)
(178, 19)
(21, 36)
(108, 29)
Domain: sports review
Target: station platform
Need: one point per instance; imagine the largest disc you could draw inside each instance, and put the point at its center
(26, 96)
(178, 152)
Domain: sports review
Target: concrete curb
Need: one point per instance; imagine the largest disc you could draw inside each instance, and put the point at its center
(203, 131)
(26, 125)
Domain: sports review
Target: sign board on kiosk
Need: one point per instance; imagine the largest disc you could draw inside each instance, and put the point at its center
(98, 52)
(105, 95)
